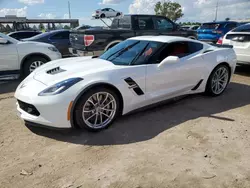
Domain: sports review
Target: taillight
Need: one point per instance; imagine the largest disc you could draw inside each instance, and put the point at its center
(97, 12)
(217, 31)
(220, 41)
(88, 39)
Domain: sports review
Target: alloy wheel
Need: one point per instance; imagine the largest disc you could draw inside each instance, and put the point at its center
(220, 80)
(99, 110)
(35, 65)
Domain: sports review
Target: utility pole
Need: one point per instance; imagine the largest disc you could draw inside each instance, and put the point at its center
(216, 11)
(69, 10)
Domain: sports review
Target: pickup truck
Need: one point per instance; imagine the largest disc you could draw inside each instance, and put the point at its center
(94, 42)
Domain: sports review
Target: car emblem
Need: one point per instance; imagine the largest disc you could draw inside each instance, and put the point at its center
(76, 38)
(23, 85)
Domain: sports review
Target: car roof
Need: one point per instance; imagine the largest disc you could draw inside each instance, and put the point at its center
(24, 32)
(220, 22)
(164, 39)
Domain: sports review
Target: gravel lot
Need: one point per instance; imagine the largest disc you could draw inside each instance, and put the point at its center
(197, 142)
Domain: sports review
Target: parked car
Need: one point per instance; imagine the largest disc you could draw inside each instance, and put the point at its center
(212, 31)
(106, 13)
(18, 57)
(59, 38)
(84, 27)
(99, 40)
(90, 92)
(240, 39)
(18, 35)
(190, 27)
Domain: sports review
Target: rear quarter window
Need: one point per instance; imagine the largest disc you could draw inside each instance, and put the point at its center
(122, 22)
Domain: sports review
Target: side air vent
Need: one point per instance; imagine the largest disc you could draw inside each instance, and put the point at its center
(55, 71)
(133, 85)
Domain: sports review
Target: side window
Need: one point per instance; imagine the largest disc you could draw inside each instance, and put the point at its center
(145, 23)
(194, 47)
(230, 26)
(179, 49)
(59, 36)
(163, 24)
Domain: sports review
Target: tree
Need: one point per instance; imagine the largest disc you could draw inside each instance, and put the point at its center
(59, 26)
(66, 27)
(34, 27)
(8, 28)
(227, 19)
(41, 27)
(172, 10)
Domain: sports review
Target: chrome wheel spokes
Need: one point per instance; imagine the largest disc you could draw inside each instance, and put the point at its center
(35, 65)
(220, 80)
(99, 110)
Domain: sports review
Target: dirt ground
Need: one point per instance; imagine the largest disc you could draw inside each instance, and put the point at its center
(197, 142)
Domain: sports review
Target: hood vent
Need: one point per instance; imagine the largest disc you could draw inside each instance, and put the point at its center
(56, 70)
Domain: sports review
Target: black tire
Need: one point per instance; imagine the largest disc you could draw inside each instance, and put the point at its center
(29, 61)
(81, 102)
(118, 14)
(209, 91)
(102, 16)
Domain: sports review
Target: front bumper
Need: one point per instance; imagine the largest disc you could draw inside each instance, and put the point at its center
(76, 52)
(55, 55)
(51, 110)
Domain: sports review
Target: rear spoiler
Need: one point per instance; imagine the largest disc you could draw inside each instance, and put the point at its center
(222, 45)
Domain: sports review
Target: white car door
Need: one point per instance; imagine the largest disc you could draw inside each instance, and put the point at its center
(174, 79)
(8, 56)
(111, 12)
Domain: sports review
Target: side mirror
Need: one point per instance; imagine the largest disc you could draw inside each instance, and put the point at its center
(169, 60)
(3, 41)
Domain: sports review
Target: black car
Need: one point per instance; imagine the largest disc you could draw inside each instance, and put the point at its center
(122, 28)
(18, 35)
(58, 38)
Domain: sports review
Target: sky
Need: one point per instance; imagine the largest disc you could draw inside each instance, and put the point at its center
(194, 10)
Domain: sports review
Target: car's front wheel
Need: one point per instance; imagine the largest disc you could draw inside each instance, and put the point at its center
(97, 109)
(33, 63)
(218, 80)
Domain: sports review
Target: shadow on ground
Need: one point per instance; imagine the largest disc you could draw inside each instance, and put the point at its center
(9, 86)
(243, 70)
(147, 124)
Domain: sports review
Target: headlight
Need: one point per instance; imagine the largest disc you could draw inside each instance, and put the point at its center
(53, 49)
(60, 87)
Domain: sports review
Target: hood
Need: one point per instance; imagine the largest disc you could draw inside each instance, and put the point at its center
(59, 70)
(36, 44)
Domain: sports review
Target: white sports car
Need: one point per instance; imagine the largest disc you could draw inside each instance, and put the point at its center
(90, 92)
(106, 13)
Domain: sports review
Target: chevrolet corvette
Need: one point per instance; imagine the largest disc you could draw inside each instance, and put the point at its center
(91, 92)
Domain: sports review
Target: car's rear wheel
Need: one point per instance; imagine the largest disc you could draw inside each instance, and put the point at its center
(33, 63)
(218, 80)
(118, 14)
(102, 16)
(97, 109)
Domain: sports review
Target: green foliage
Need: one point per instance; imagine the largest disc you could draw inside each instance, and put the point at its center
(66, 27)
(172, 10)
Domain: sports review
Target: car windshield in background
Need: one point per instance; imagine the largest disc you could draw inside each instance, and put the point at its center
(39, 36)
(131, 52)
(243, 28)
(210, 26)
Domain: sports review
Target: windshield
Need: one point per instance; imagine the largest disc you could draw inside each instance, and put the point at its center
(39, 36)
(243, 28)
(210, 26)
(8, 38)
(131, 52)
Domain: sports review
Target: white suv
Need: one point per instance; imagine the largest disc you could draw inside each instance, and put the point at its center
(239, 38)
(24, 57)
